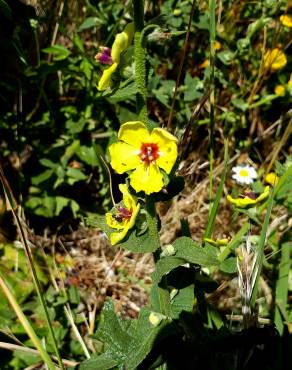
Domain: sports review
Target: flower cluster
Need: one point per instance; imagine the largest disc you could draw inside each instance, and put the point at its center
(145, 155)
(112, 56)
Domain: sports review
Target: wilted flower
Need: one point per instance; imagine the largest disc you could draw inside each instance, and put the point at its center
(244, 174)
(249, 198)
(122, 41)
(286, 20)
(145, 154)
(272, 179)
(123, 217)
(274, 59)
(205, 64)
(104, 55)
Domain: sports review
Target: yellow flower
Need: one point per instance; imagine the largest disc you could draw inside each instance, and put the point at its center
(274, 59)
(123, 218)
(217, 242)
(272, 179)
(205, 64)
(279, 90)
(144, 153)
(290, 81)
(217, 45)
(249, 199)
(286, 20)
(122, 41)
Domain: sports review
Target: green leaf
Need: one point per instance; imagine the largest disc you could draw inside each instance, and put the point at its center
(191, 252)
(36, 180)
(88, 23)
(226, 56)
(126, 93)
(229, 265)
(58, 51)
(165, 265)
(183, 301)
(61, 203)
(101, 362)
(88, 155)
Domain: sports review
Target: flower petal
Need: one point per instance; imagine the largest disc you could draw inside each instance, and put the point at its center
(122, 41)
(246, 201)
(147, 178)
(128, 199)
(134, 133)
(124, 157)
(167, 144)
(112, 222)
(106, 78)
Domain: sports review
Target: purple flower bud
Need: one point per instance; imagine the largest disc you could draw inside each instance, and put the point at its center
(104, 55)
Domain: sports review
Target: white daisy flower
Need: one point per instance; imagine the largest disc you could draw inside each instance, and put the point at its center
(244, 174)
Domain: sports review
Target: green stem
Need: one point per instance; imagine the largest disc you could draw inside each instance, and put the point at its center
(140, 60)
(212, 8)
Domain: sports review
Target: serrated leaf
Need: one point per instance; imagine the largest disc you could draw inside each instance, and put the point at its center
(101, 362)
(182, 301)
(126, 93)
(191, 252)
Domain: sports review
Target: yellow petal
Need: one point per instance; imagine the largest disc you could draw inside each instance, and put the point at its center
(124, 157)
(122, 41)
(217, 242)
(128, 199)
(246, 201)
(134, 133)
(146, 178)
(274, 59)
(112, 222)
(106, 78)
(167, 148)
(286, 20)
(272, 179)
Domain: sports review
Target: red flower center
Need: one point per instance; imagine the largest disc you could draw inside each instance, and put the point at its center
(123, 214)
(149, 153)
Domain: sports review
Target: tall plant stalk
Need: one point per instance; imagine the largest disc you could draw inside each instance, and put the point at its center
(140, 58)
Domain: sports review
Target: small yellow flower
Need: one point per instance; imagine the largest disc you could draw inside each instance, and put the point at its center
(123, 218)
(286, 20)
(272, 179)
(205, 64)
(249, 199)
(274, 59)
(217, 242)
(122, 41)
(279, 90)
(145, 154)
(217, 45)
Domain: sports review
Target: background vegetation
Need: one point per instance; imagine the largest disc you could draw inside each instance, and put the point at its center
(55, 131)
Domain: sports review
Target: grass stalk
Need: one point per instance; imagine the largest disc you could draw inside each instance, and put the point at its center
(215, 206)
(26, 324)
(13, 206)
(212, 37)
